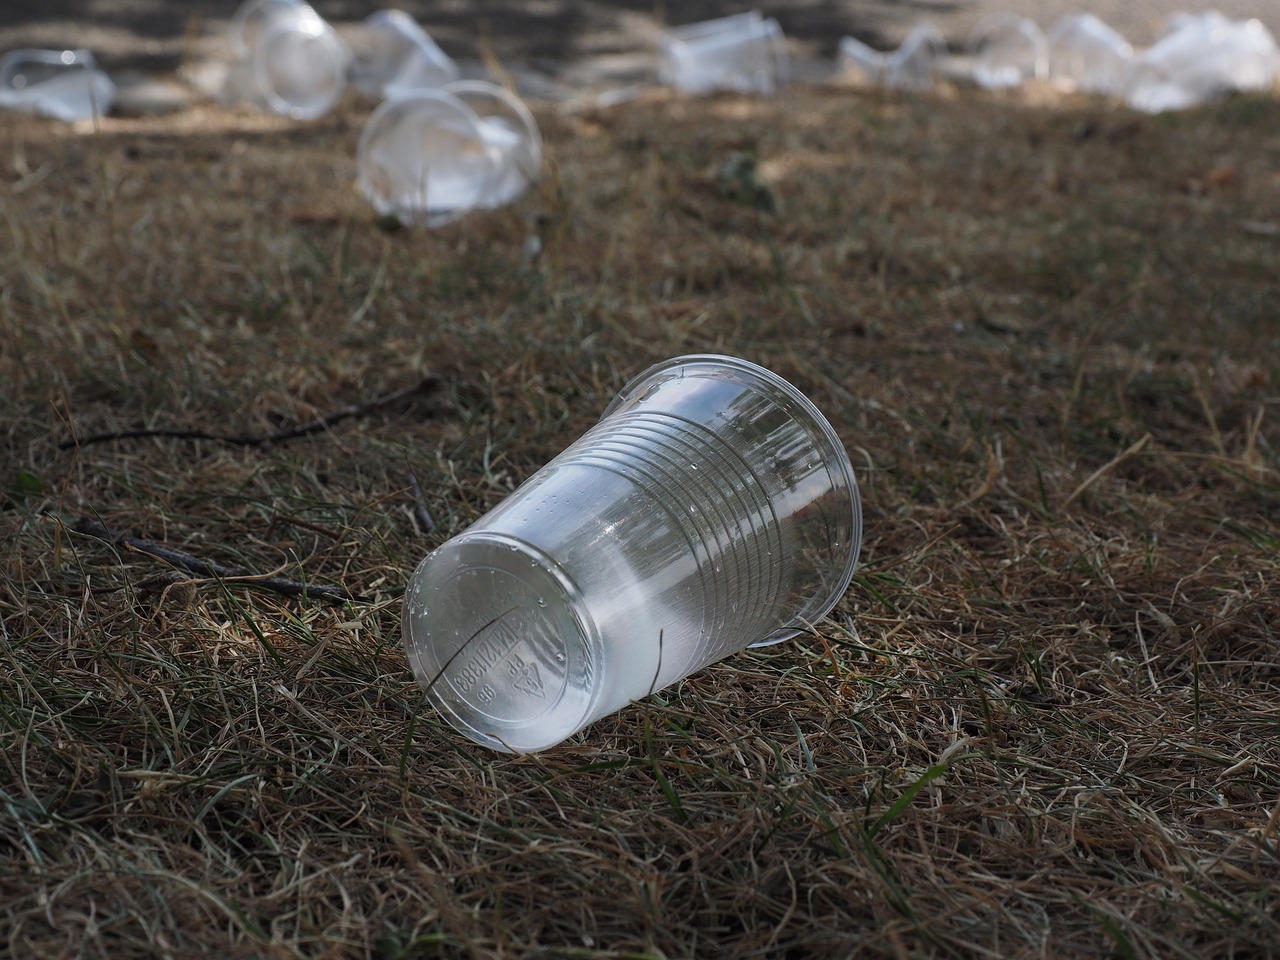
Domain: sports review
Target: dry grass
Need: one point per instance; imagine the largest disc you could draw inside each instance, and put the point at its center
(1045, 720)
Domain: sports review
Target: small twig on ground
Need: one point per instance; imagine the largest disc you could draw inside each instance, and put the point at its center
(421, 514)
(1111, 464)
(426, 385)
(218, 571)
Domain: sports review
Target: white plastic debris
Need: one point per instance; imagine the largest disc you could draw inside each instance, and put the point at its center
(911, 67)
(1200, 57)
(393, 52)
(1087, 55)
(1006, 51)
(745, 52)
(63, 84)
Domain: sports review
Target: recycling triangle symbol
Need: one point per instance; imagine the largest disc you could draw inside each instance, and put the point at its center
(530, 681)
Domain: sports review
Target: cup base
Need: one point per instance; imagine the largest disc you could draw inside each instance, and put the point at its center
(498, 636)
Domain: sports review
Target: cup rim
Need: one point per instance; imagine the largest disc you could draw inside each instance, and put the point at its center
(836, 460)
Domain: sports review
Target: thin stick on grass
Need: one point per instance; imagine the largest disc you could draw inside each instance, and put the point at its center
(421, 514)
(1202, 393)
(1111, 464)
(995, 467)
(425, 385)
(214, 570)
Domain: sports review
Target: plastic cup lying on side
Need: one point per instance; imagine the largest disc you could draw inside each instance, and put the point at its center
(1087, 55)
(428, 157)
(423, 159)
(910, 67)
(745, 53)
(712, 508)
(509, 129)
(1202, 56)
(296, 62)
(1006, 51)
(62, 84)
(393, 53)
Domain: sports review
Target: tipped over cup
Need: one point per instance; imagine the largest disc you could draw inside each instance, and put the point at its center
(745, 52)
(712, 508)
(393, 52)
(62, 84)
(289, 59)
(910, 67)
(1007, 50)
(429, 156)
(1086, 54)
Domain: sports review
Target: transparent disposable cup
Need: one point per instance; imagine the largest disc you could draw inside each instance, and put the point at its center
(1201, 56)
(1088, 55)
(910, 67)
(393, 52)
(1006, 51)
(296, 60)
(712, 508)
(510, 130)
(423, 157)
(744, 52)
(62, 84)
(429, 156)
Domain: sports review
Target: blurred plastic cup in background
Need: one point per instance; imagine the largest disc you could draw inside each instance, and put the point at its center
(510, 130)
(911, 67)
(393, 52)
(1006, 51)
(1087, 55)
(63, 84)
(712, 508)
(744, 53)
(1199, 57)
(297, 61)
(423, 158)
(428, 157)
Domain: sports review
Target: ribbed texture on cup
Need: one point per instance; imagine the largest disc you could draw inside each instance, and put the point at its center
(723, 512)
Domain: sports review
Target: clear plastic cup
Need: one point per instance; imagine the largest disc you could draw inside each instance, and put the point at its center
(509, 129)
(1007, 50)
(910, 67)
(423, 157)
(296, 61)
(63, 84)
(1199, 57)
(744, 52)
(712, 508)
(393, 53)
(1087, 55)
(913, 65)
(430, 156)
